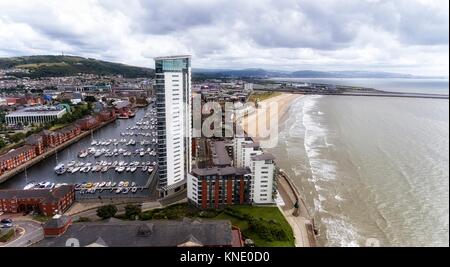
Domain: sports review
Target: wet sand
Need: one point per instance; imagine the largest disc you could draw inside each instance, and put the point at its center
(250, 122)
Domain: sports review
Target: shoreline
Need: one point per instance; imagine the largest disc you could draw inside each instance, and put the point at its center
(250, 123)
(294, 207)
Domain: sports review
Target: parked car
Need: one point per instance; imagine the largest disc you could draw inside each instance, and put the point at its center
(6, 220)
(6, 225)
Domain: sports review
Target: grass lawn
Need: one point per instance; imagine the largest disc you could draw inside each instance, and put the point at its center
(41, 218)
(58, 126)
(268, 213)
(11, 146)
(263, 96)
(5, 236)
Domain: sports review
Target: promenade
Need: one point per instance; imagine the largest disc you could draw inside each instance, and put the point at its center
(299, 218)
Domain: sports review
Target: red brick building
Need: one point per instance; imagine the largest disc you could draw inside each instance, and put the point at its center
(57, 225)
(13, 101)
(34, 100)
(56, 138)
(218, 187)
(16, 157)
(214, 182)
(88, 123)
(106, 115)
(68, 132)
(45, 201)
(37, 141)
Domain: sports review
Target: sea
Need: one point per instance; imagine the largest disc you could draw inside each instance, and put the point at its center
(374, 171)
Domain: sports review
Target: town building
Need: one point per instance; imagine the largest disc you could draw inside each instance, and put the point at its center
(106, 115)
(36, 115)
(56, 138)
(57, 225)
(16, 157)
(154, 233)
(36, 140)
(228, 172)
(214, 182)
(217, 187)
(248, 154)
(173, 105)
(45, 201)
(88, 123)
(263, 179)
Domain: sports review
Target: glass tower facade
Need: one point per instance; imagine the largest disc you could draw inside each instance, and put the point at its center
(173, 106)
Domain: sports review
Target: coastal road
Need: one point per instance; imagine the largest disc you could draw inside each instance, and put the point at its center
(176, 198)
(33, 232)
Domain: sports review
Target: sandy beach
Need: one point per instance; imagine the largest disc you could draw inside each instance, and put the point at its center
(250, 123)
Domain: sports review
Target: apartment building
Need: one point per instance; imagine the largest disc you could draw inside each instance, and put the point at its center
(173, 105)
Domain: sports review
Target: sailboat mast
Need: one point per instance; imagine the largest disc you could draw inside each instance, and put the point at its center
(26, 176)
(56, 155)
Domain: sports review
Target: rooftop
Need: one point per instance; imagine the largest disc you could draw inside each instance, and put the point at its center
(264, 156)
(154, 233)
(220, 155)
(172, 57)
(46, 195)
(15, 152)
(58, 221)
(32, 111)
(221, 171)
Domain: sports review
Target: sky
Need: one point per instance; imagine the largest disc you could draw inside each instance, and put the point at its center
(405, 36)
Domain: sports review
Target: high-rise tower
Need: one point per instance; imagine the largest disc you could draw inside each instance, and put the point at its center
(173, 105)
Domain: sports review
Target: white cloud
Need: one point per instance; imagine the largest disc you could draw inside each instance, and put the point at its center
(403, 36)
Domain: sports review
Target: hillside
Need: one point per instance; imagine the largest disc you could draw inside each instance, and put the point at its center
(57, 66)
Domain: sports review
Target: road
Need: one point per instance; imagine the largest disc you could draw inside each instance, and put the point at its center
(177, 198)
(33, 233)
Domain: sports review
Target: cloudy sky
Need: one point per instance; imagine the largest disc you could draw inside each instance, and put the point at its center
(407, 36)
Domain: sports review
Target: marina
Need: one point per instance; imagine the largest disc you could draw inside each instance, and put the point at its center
(104, 163)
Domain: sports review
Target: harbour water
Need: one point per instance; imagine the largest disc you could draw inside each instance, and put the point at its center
(371, 168)
(44, 170)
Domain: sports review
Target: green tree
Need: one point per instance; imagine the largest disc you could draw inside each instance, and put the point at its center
(17, 137)
(131, 211)
(2, 143)
(106, 212)
(90, 98)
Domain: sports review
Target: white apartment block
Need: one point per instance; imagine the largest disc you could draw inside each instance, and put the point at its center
(173, 106)
(263, 171)
(248, 154)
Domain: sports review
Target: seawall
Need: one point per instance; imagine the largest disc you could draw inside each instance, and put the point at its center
(296, 212)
